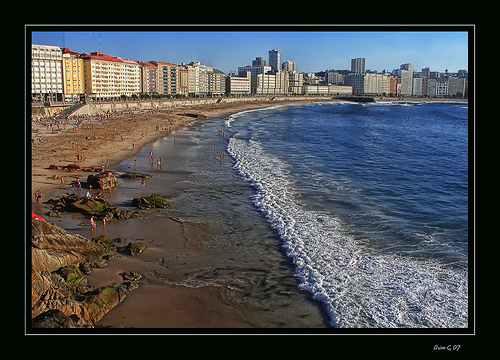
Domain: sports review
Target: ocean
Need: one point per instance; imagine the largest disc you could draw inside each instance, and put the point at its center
(332, 214)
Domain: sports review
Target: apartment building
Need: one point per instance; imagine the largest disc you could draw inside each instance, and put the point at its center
(198, 78)
(168, 77)
(335, 90)
(46, 73)
(107, 76)
(368, 83)
(437, 87)
(149, 77)
(73, 75)
(217, 82)
(239, 85)
(295, 81)
(456, 86)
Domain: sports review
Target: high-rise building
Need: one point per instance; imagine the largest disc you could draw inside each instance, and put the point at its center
(274, 59)
(358, 65)
(405, 72)
(46, 73)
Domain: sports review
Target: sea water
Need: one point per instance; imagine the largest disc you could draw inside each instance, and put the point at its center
(355, 212)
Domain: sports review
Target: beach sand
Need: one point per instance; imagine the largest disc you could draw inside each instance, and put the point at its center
(157, 303)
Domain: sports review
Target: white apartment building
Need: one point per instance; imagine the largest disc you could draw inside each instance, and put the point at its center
(46, 73)
(263, 84)
(217, 82)
(198, 77)
(238, 85)
(295, 81)
(335, 90)
(417, 87)
(368, 83)
(110, 77)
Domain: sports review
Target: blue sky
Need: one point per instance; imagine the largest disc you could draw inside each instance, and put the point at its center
(310, 50)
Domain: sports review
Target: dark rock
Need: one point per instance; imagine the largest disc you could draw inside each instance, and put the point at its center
(135, 248)
(134, 175)
(99, 208)
(153, 201)
(100, 301)
(127, 286)
(52, 319)
(131, 276)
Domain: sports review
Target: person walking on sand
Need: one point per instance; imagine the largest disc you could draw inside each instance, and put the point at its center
(92, 223)
(38, 196)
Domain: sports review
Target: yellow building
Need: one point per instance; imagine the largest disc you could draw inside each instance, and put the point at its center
(73, 75)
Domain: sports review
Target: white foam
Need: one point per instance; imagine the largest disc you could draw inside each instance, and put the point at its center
(357, 287)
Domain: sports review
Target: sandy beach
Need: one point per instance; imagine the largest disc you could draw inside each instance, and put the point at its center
(155, 304)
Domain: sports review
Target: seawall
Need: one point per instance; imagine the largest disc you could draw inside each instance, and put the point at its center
(103, 107)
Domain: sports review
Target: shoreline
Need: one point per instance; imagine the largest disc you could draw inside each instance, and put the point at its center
(112, 141)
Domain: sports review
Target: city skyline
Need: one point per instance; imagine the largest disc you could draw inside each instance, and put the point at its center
(311, 51)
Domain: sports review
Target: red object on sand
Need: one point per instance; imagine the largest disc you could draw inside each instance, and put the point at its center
(35, 216)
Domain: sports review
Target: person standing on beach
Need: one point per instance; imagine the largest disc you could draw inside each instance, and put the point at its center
(92, 223)
(38, 197)
(143, 184)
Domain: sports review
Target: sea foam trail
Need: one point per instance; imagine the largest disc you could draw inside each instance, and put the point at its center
(359, 288)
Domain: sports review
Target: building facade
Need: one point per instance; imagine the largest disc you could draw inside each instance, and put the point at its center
(107, 76)
(335, 90)
(73, 75)
(369, 83)
(456, 86)
(217, 82)
(437, 87)
(238, 85)
(254, 70)
(168, 77)
(149, 78)
(46, 73)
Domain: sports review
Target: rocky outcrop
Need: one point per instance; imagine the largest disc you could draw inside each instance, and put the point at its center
(99, 208)
(102, 181)
(153, 201)
(135, 176)
(60, 294)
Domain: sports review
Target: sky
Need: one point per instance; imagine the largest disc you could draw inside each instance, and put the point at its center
(312, 51)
